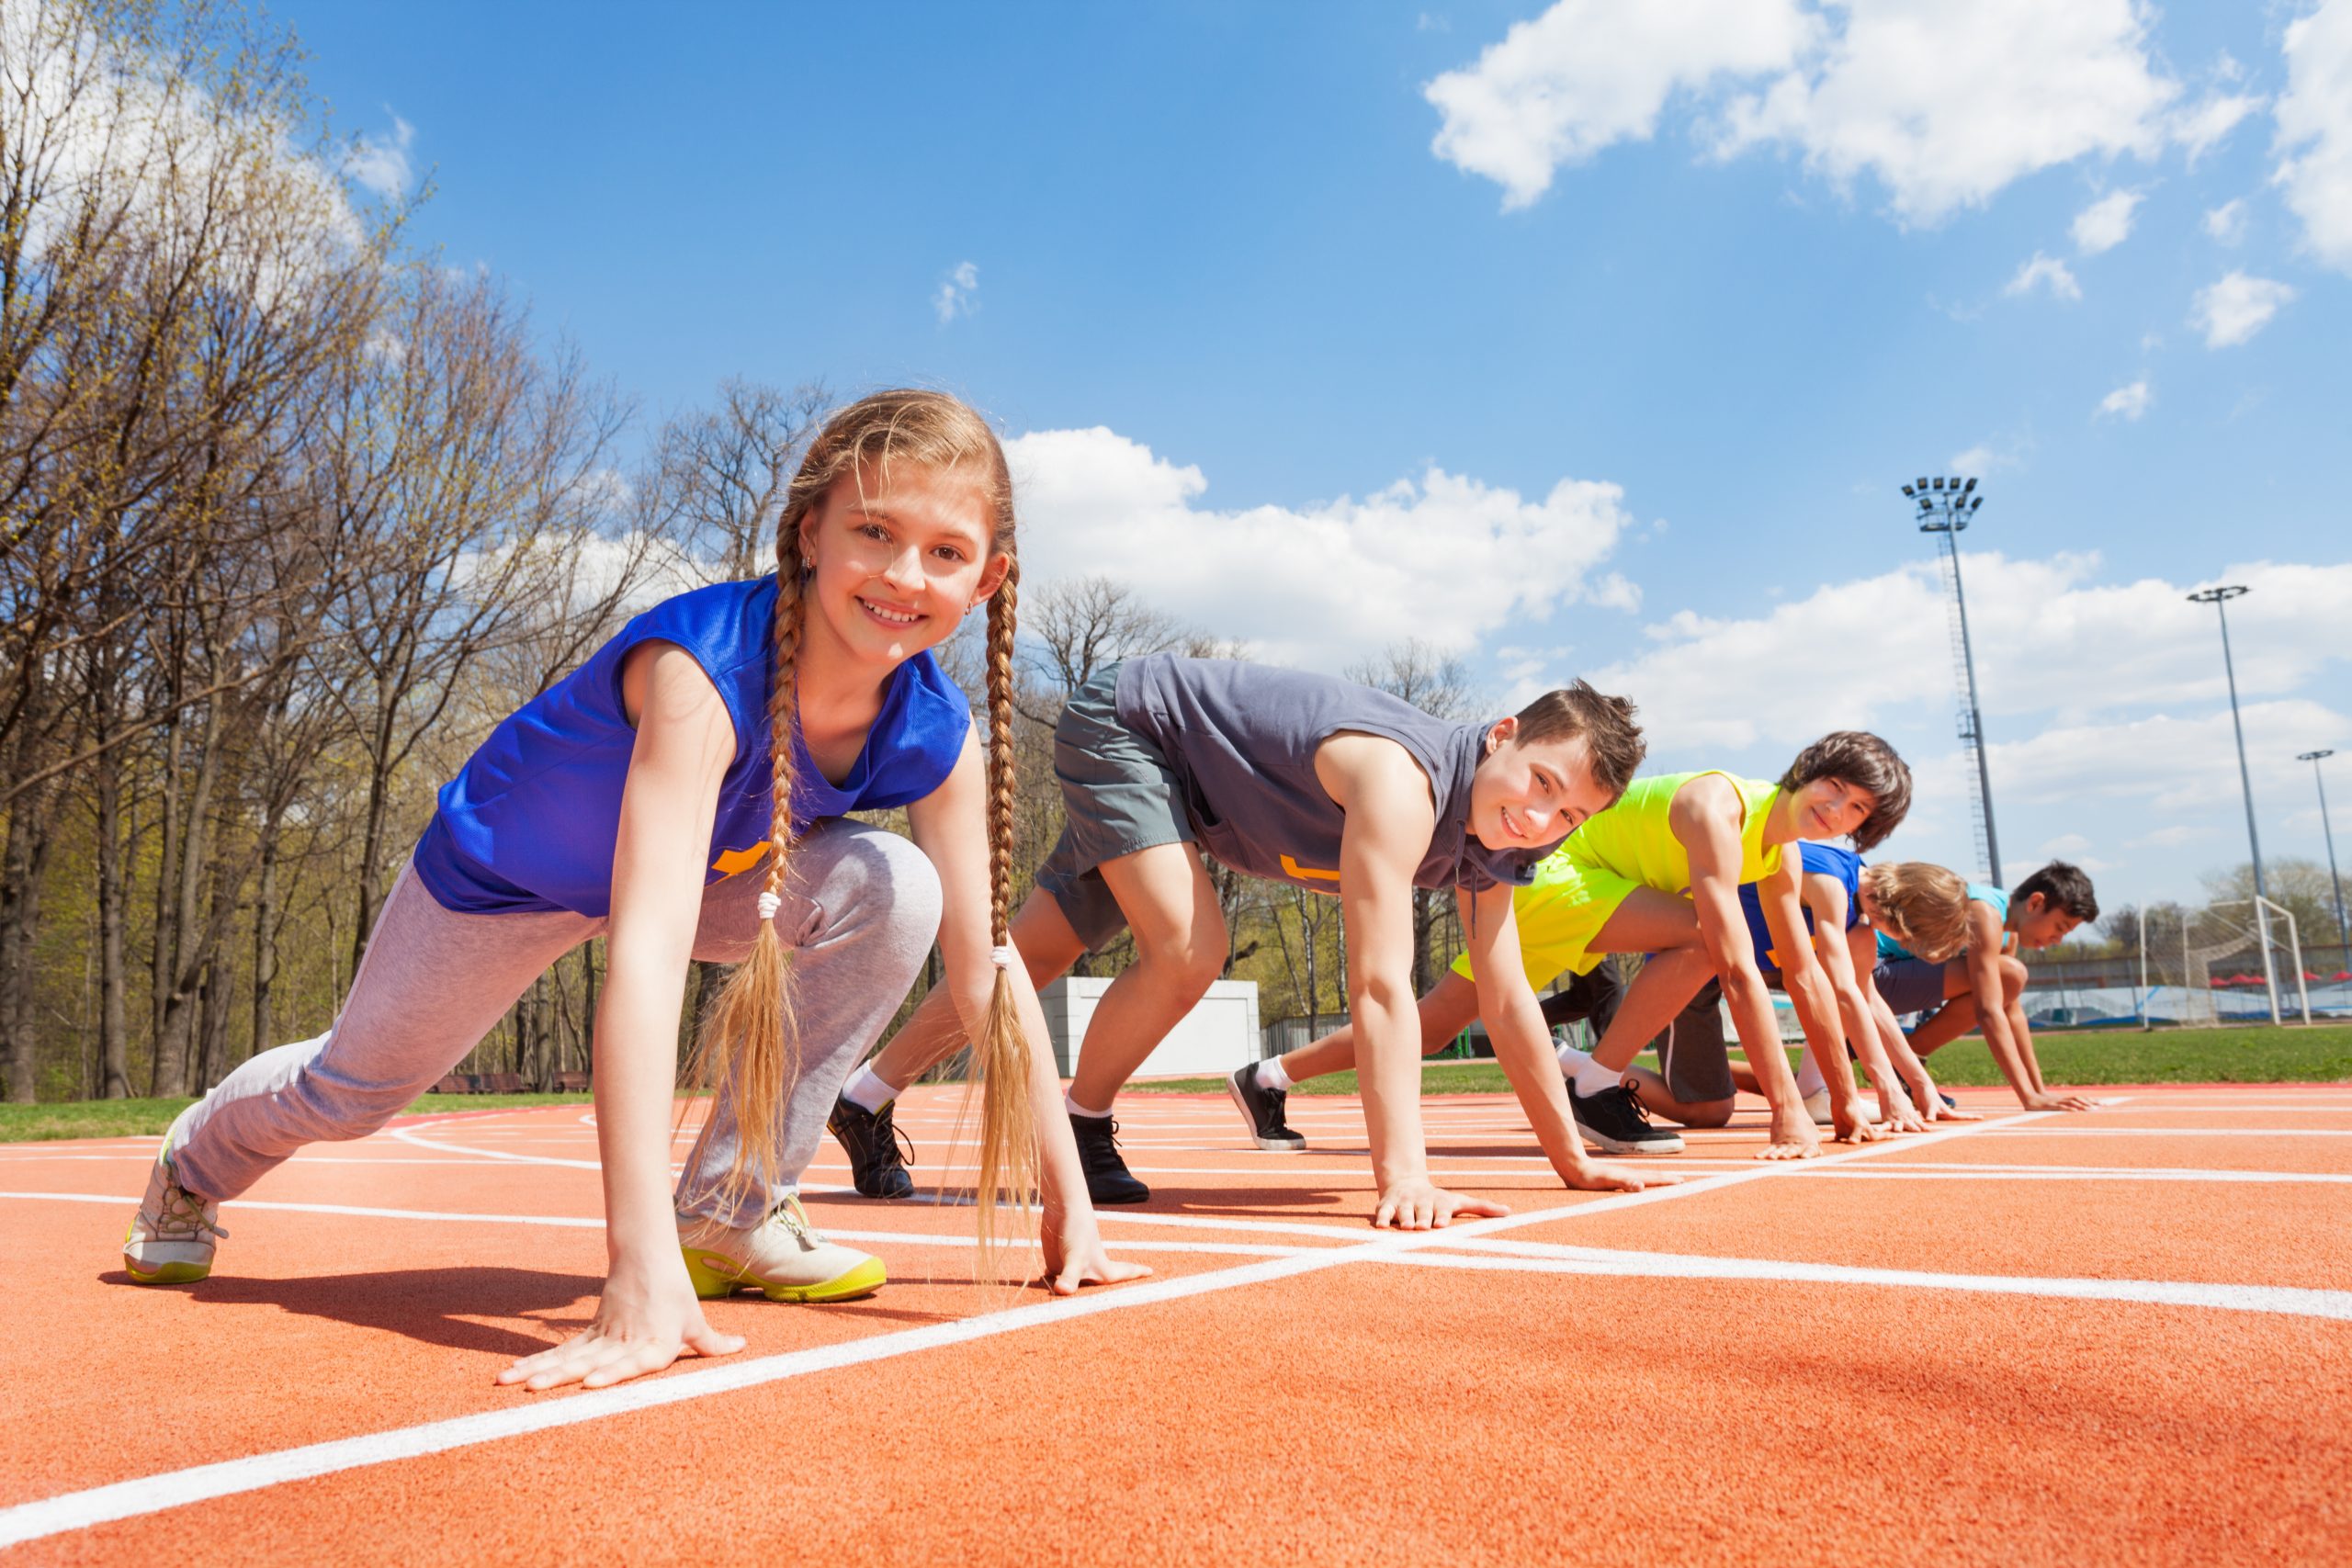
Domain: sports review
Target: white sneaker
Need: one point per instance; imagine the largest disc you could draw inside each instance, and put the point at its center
(1816, 1105)
(171, 1237)
(784, 1258)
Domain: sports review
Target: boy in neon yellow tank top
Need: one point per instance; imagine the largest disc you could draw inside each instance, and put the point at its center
(1661, 873)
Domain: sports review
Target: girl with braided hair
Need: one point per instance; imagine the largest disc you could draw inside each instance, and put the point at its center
(685, 793)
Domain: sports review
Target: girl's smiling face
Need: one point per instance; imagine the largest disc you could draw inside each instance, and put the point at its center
(898, 554)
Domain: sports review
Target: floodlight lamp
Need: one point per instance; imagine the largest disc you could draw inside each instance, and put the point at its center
(1906, 489)
(1977, 502)
(1923, 481)
(2314, 756)
(1969, 486)
(1939, 482)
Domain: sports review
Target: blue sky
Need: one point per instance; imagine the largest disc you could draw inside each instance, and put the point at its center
(1585, 339)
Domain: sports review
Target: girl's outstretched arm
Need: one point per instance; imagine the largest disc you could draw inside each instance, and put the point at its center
(950, 825)
(648, 1315)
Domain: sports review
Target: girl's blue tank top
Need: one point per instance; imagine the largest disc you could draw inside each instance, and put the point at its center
(530, 822)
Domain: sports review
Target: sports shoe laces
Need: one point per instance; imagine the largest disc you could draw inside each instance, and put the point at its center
(796, 1219)
(1634, 1106)
(182, 1217)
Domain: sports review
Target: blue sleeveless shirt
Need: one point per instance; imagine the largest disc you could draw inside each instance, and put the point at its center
(1822, 859)
(1890, 950)
(530, 822)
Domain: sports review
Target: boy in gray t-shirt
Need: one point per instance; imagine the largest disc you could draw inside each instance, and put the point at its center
(1318, 781)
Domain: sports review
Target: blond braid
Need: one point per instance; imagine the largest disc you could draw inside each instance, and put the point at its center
(749, 1051)
(1009, 1156)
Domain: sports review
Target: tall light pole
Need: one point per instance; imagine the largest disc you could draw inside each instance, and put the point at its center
(2219, 598)
(2342, 937)
(1946, 506)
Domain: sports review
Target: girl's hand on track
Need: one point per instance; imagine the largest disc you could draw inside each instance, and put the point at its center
(1849, 1128)
(1594, 1177)
(1899, 1115)
(647, 1318)
(1084, 1263)
(2053, 1100)
(1420, 1204)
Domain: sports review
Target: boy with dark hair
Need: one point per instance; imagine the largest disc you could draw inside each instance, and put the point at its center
(1983, 986)
(1659, 873)
(1324, 784)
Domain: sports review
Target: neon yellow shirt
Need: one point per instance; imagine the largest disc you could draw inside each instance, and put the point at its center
(1633, 839)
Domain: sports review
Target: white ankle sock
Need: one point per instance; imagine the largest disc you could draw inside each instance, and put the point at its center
(1810, 1080)
(1591, 1077)
(1571, 1058)
(1071, 1102)
(1270, 1076)
(868, 1090)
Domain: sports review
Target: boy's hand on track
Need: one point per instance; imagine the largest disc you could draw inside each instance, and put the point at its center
(1420, 1204)
(646, 1319)
(1793, 1141)
(2053, 1100)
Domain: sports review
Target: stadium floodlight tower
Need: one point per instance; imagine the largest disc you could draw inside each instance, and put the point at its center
(1946, 506)
(2343, 933)
(2219, 597)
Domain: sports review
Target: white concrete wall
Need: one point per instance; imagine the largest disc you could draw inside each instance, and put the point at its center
(1214, 1038)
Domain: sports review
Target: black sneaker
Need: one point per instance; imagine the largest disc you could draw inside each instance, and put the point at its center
(1263, 1109)
(1108, 1180)
(879, 1153)
(1615, 1121)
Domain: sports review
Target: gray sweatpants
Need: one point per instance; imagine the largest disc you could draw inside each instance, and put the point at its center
(861, 912)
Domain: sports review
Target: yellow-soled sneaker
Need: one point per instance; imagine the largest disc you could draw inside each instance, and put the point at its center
(784, 1258)
(171, 1237)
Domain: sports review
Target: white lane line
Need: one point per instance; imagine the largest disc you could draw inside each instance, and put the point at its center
(128, 1499)
(2289, 1300)
(2071, 1173)
(2064, 1129)
(892, 1238)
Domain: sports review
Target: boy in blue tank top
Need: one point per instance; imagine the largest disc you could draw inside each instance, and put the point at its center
(1325, 784)
(1984, 985)
(683, 794)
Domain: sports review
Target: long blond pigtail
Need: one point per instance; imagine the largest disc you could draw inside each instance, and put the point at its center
(748, 1057)
(1001, 1059)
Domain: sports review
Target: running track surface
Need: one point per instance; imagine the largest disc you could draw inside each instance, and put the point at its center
(2121, 1335)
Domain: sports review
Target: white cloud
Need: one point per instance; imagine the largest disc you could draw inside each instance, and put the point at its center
(2104, 223)
(2206, 124)
(2315, 130)
(2049, 638)
(1586, 73)
(955, 292)
(2226, 223)
(382, 166)
(1984, 457)
(2043, 271)
(1318, 585)
(1945, 104)
(2236, 308)
(2128, 402)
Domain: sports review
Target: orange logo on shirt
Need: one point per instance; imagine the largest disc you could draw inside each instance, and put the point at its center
(1292, 868)
(730, 862)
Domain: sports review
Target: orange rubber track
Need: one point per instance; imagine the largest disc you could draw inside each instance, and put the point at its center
(2120, 1336)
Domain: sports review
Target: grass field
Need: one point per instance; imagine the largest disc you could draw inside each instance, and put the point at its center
(2319, 1055)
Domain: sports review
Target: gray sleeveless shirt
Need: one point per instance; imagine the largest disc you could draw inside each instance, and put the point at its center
(1241, 740)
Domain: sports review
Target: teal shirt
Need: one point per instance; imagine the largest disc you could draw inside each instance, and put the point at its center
(1890, 950)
